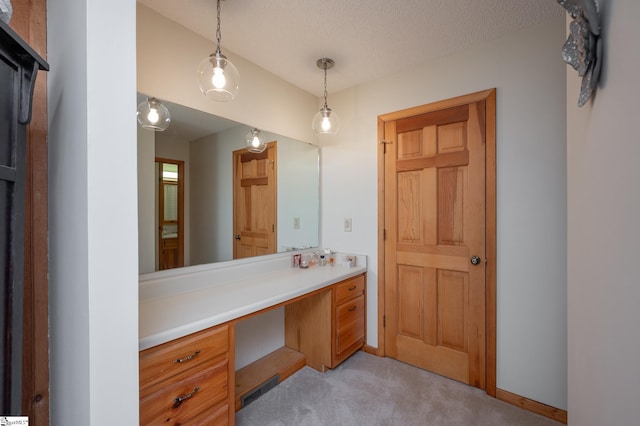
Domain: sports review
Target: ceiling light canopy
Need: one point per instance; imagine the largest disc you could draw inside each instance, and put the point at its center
(152, 115)
(218, 78)
(325, 121)
(254, 141)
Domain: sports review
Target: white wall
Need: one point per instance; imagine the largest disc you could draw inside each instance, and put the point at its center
(211, 216)
(212, 184)
(603, 232)
(93, 266)
(528, 73)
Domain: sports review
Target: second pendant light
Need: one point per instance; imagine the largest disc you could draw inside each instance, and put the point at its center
(325, 121)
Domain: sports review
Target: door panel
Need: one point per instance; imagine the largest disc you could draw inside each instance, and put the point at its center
(254, 212)
(434, 213)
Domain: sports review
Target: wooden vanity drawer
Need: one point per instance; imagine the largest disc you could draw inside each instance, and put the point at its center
(217, 416)
(349, 325)
(200, 390)
(349, 289)
(166, 360)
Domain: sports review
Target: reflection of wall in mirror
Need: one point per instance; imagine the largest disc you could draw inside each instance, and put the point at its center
(147, 253)
(212, 187)
(209, 193)
(150, 147)
(211, 163)
(298, 195)
(170, 147)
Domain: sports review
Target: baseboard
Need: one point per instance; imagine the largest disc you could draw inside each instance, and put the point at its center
(533, 406)
(510, 398)
(370, 350)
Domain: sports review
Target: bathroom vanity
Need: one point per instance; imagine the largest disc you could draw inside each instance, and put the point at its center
(187, 333)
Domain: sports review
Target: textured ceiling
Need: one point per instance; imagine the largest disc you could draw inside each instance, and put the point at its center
(368, 39)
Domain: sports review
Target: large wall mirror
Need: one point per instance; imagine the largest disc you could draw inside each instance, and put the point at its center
(205, 145)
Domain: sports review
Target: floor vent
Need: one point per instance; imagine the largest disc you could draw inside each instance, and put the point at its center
(260, 390)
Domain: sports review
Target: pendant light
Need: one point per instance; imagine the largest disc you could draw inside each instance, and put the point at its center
(255, 141)
(152, 115)
(218, 78)
(325, 121)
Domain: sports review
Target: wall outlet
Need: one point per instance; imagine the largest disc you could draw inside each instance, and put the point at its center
(296, 223)
(352, 260)
(347, 224)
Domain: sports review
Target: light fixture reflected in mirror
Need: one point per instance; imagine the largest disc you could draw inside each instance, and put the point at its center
(218, 78)
(152, 115)
(254, 141)
(325, 121)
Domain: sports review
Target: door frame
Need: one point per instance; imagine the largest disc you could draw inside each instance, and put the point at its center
(159, 187)
(489, 96)
(30, 22)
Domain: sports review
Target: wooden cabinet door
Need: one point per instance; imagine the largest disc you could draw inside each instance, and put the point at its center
(349, 328)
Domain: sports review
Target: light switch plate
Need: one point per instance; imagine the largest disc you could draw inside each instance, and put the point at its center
(347, 224)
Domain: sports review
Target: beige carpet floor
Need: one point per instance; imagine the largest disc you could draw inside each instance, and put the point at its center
(370, 390)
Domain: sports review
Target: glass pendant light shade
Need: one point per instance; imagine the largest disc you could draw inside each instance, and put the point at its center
(254, 141)
(152, 115)
(218, 78)
(326, 122)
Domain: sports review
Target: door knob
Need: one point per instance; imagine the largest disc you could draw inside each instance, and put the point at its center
(475, 260)
(237, 236)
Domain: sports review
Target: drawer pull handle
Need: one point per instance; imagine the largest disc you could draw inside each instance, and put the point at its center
(353, 287)
(353, 308)
(179, 399)
(187, 358)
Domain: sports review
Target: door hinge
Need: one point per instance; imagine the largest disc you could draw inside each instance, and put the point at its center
(384, 321)
(273, 227)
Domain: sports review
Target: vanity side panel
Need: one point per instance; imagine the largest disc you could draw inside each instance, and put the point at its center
(308, 329)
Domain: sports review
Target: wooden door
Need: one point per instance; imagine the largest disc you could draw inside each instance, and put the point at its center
(254, 202)
(435, 245)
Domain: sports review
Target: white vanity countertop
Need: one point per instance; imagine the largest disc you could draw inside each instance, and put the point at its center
(178, 304)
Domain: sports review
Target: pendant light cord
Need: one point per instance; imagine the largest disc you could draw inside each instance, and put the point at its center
(325, 86)
(218, 33)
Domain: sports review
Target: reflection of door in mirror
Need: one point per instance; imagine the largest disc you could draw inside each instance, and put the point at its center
(170, 210)
(254, 202)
